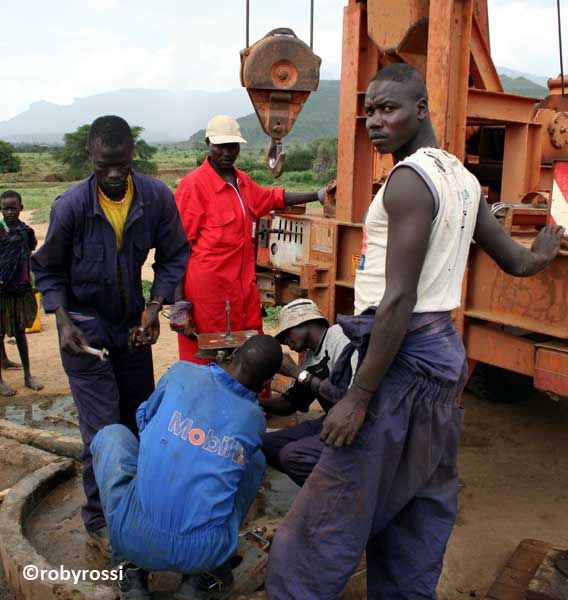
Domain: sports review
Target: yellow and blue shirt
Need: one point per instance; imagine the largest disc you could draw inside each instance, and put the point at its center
(117, 212)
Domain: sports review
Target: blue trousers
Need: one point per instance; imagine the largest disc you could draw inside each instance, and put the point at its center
(393, 492)
(133, 538)
(295, 451)
(105, 393)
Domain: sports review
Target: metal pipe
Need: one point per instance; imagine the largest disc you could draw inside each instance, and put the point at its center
(311, 24)
(560, 46)
(248, 21)
(228, 316)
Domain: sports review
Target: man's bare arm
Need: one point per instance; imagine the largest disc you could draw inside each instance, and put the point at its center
(409, 204)
(292, 198)
(512, 257)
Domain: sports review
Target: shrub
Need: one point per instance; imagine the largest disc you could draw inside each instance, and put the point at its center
(9, 162)
(325, 163)
(299, 158)
(75, 154)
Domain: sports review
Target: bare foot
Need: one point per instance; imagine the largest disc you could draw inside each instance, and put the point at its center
(33, 383)
(6, 390)
(9, 364)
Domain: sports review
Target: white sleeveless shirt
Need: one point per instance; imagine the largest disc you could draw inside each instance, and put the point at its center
(456, 197)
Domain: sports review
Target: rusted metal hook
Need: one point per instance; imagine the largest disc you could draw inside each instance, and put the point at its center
(275, 156)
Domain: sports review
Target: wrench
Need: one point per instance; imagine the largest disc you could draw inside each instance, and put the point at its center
(258, 534)
(102, 354)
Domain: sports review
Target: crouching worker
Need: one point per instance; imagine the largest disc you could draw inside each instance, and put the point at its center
(175, 499)
(302, 327)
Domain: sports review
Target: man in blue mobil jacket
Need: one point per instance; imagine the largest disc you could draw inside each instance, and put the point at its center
(175, 499)
(89, 273)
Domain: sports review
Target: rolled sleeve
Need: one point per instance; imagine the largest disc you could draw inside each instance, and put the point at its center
(50, 264)
(172, 250)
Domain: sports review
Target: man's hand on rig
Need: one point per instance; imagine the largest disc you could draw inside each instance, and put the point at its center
(549, 241)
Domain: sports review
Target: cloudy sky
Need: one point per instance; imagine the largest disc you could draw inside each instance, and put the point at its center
(60, 50)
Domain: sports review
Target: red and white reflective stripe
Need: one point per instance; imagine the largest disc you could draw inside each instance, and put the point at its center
(559, 195)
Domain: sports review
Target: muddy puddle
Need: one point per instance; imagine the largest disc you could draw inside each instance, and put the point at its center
(57, 413)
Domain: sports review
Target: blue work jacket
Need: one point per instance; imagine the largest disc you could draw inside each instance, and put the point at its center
(78, 267)
(198, 433)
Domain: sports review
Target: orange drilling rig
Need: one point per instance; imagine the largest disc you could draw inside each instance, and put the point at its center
(515, 145)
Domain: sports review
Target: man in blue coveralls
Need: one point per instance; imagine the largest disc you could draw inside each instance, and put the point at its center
(386, 481)
(89, 273)
(175, 500)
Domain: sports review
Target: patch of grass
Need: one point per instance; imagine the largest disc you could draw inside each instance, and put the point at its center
(35, 167)
(170, 180)
(298, 181)
(146, 289)
(291, 181)
(173, 158)
(271, 319)
(37, 197)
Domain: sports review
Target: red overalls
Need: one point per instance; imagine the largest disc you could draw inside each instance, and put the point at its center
(218, 221)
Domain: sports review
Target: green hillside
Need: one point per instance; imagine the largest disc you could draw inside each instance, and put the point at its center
(317, 119)
(523, 87)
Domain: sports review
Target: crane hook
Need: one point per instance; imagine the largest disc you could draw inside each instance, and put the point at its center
(275, 155)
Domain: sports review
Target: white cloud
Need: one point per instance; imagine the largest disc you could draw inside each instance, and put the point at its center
(61, 50)
(524, 35)
(77, 49)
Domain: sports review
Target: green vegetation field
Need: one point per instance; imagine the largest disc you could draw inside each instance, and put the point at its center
(40, 180)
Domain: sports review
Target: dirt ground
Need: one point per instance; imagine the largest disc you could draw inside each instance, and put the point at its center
(513, 467)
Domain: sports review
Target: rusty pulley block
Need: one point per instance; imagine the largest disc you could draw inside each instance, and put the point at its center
(279, 72)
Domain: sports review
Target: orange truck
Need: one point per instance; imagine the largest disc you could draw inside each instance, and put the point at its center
(515, 145)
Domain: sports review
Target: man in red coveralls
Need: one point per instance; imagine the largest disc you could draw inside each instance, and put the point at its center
(218, 205)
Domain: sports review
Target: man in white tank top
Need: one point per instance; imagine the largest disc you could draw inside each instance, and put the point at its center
(386, 483)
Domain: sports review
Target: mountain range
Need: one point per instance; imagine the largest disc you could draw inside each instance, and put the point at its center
(317, 119)
(169, 116)
(165, 115)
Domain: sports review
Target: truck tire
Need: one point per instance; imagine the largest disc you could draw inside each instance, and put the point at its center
(501, 386)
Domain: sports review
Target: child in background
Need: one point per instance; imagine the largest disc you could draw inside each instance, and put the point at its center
(5, 362)
(18, 306)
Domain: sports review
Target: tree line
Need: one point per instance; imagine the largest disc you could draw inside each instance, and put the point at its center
(319, 156)
(75, 155)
